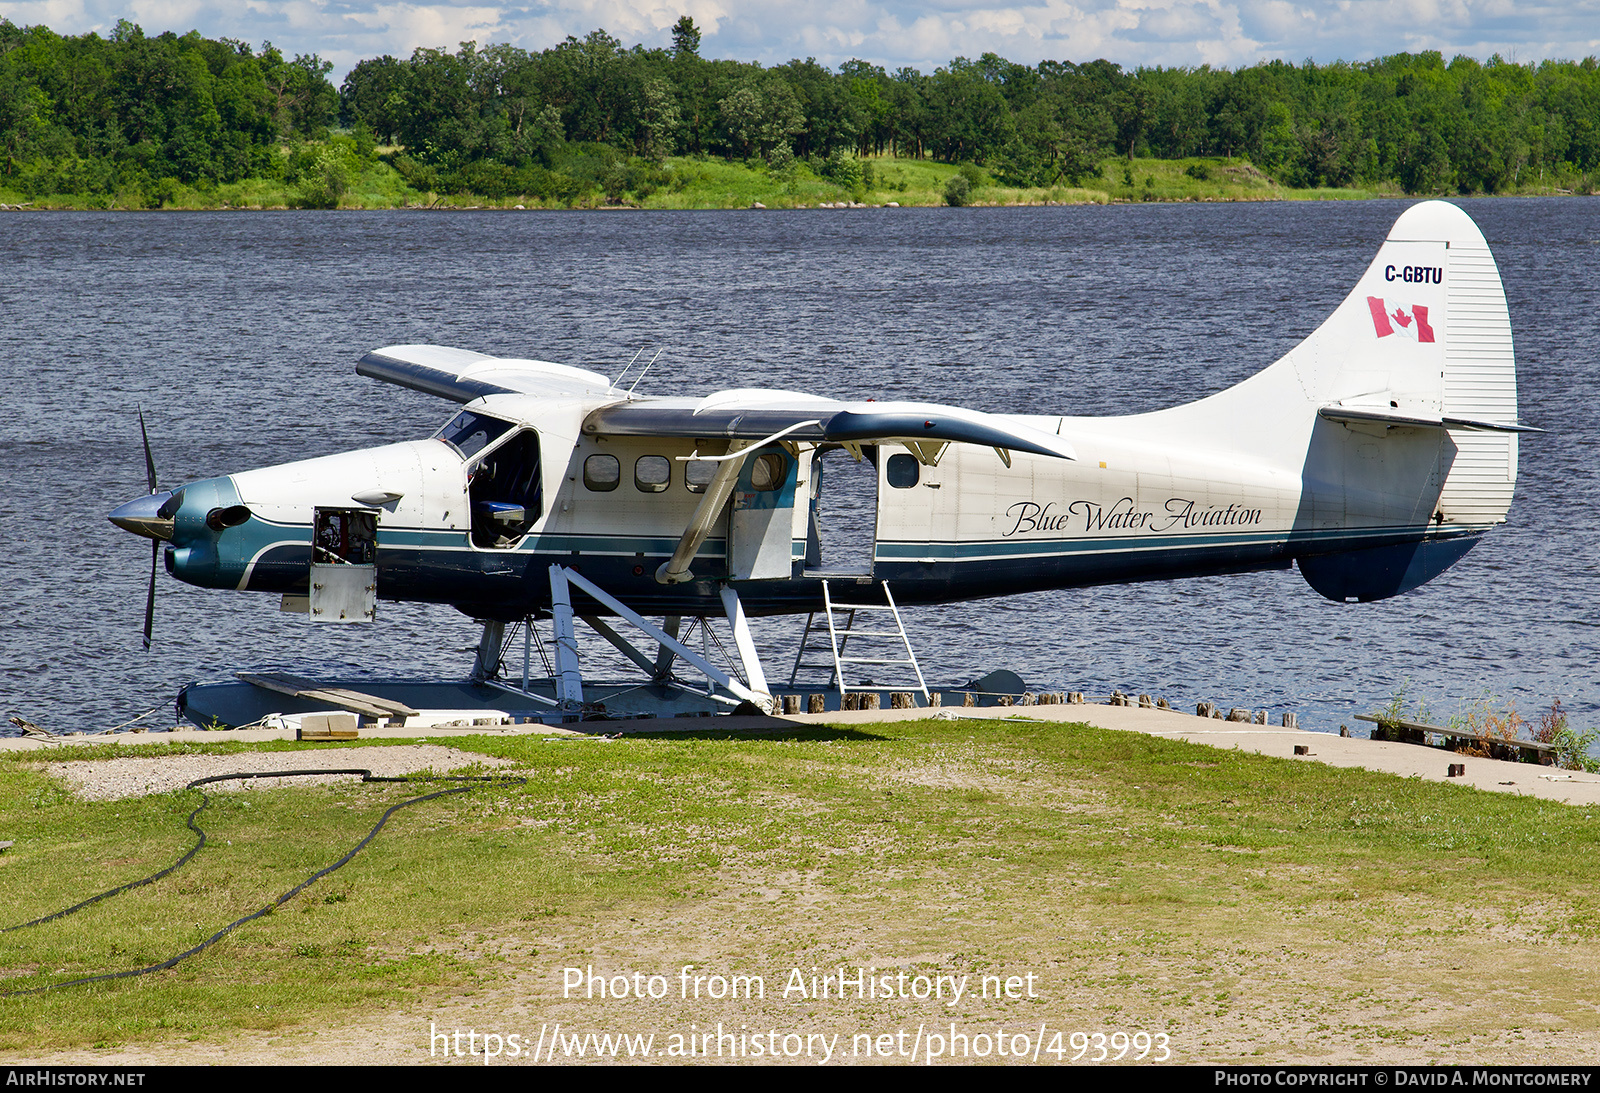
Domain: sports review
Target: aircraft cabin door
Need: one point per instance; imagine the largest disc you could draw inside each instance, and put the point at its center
(760, 525)
(506, 491)
(842, 525)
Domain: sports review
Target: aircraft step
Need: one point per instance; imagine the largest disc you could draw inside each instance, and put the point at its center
(833, 633)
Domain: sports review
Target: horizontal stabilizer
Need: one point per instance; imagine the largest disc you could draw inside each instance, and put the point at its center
(1360, 415)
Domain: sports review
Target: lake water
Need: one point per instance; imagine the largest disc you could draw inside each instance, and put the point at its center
(238, 334)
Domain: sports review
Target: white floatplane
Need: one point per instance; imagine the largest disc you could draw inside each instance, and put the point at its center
(1373, 455)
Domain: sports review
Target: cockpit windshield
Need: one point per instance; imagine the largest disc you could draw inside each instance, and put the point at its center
(470, 433)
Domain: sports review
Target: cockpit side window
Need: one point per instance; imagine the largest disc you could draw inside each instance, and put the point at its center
(470, 433)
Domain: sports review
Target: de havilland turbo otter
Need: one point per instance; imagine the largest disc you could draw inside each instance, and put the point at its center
(1373, 455)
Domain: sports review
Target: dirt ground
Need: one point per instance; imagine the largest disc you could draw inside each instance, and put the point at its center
(1234, 993)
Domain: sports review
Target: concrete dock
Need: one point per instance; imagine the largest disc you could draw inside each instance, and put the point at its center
(1405, 760)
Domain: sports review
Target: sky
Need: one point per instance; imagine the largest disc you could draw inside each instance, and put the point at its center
(925, 34)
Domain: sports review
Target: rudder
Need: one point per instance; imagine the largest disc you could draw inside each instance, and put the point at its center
(1426, 360)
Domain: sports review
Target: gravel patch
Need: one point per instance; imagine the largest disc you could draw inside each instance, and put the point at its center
(111, 779)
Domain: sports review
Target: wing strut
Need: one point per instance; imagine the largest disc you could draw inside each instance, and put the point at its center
(675, 570)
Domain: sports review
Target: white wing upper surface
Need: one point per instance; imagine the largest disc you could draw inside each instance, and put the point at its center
(745, 413)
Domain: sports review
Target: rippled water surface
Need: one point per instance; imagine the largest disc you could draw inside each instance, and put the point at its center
(238, 333)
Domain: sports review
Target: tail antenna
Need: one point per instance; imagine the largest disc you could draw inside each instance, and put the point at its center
(646, 369)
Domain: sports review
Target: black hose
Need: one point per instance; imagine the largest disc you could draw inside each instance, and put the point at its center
(366, 776)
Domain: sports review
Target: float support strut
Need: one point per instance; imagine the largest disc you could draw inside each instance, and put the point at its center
(745, 644)
(655, 633)
(487, 663)
(569, 676)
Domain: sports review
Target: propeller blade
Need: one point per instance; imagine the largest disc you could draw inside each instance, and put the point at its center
(150, 598)
(149, 460)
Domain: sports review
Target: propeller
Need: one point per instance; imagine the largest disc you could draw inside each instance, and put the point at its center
(155, 544)
(152, 516)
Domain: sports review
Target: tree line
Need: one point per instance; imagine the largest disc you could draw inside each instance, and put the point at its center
(87, 115)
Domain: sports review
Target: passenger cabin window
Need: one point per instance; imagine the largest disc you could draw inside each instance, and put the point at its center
(470, 433)
(768, 471)
(903, 472)
(506, 490)
(697, 474)
(652, 473)
(601, 473)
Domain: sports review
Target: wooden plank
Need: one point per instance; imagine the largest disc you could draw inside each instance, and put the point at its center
(395, 709)
(270, 683)
(354, 701)
(1417, 726)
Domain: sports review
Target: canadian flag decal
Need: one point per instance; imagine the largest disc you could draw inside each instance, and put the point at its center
(1392, 317)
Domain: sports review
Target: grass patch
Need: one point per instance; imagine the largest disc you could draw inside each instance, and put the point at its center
(1210, 179)
(722, 184)
(1157, 881)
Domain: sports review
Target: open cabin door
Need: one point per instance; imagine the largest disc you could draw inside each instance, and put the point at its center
(761, 520)
(842, 527)
(506, 492)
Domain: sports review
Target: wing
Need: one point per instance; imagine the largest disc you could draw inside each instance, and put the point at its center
(762, 415)
(743, 414)
(462, 375)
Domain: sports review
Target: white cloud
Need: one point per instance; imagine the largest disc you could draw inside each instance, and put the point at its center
(164, 13)
(924, 34)
(63, 16)
(411, 26)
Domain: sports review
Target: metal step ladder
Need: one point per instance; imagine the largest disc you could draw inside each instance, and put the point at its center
(880, 645)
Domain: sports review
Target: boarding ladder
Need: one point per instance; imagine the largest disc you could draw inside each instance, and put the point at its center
(872, 637)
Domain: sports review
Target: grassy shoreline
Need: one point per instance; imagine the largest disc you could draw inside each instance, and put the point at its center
(717, 184)
(1253, 909)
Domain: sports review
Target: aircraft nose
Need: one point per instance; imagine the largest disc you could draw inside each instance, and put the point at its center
(149, 516)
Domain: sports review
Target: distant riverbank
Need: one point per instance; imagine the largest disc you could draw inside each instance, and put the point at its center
(688, 183)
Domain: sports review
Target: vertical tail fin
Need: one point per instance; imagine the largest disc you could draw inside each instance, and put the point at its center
(1398, 414)
(1416, 377)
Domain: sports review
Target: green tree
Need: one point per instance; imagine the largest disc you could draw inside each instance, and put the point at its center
(970, 120)
(374, 93)
(758, 114)
(685, 39)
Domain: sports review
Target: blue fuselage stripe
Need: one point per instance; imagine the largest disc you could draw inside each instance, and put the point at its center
(442, 566)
